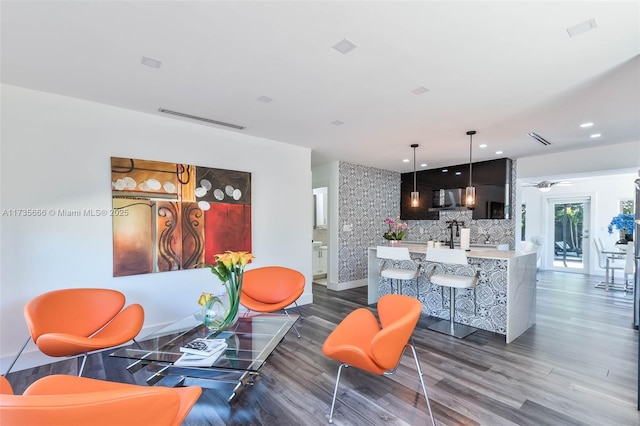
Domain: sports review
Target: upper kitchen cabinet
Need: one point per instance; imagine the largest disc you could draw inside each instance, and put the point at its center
(443, 189)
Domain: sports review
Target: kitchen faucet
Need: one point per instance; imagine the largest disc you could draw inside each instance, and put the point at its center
(451, 224)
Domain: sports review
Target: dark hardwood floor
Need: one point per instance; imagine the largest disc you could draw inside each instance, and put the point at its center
(576, 366)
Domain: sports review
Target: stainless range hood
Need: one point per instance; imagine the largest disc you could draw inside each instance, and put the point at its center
(447, 199)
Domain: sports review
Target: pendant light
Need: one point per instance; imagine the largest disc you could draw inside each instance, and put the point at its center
(415, 195)
(470, 192)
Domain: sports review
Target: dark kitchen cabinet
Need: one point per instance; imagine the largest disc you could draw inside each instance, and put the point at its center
(492, 180)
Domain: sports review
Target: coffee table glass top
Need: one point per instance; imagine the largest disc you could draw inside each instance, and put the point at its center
(250, 341)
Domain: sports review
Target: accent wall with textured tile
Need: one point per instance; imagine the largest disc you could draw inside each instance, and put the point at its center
(366, 197)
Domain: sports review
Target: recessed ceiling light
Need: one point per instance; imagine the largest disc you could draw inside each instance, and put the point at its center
(345, 46)
(588, 124)
(498, 152)
(150, 62)
(419, 90)
(596, 135)
(445, 170)
(458, 173)
(482, 145)
(337, 123)
(423, 165)
(265, 99)
(582, 27)
(406, 160)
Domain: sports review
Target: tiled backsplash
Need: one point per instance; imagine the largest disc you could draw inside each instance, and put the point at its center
(483, 231)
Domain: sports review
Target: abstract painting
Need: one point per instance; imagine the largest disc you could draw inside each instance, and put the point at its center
(172, 216)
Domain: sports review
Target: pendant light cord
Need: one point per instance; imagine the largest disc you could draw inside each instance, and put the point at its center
(414, 146)
(414, 168)
(471, 133)
(470, 159)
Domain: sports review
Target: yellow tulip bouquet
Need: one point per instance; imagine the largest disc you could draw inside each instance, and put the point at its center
(229, 268)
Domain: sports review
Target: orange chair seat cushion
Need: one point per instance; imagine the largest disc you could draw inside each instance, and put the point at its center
(271, 288)
(124, 327)
(350, 341)
(258, 306)
(71, 400)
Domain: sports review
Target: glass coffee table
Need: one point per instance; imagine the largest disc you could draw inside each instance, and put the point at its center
(250, 342)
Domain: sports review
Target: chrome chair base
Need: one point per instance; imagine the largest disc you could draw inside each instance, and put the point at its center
(17, 356)
(294, 326)
(453, 329)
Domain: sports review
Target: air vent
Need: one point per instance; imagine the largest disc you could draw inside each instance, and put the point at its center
(582, 27)
(539, 138)
(206, 120)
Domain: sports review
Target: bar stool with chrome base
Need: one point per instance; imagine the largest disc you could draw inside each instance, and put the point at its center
(451, 257)
(397, 254)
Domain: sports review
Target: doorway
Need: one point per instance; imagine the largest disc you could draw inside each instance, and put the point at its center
(319, 265)
(569, 234)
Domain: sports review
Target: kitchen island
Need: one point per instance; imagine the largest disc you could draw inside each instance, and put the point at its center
(505, 294)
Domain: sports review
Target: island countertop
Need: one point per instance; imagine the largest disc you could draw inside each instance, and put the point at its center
(482, 252)
(506, 289)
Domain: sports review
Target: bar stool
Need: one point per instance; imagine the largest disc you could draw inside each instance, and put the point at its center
(449, 258)
(395, 255)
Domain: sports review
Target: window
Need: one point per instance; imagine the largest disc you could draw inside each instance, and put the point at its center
(626, 207)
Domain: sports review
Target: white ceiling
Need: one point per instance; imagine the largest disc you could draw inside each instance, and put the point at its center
(501, 68)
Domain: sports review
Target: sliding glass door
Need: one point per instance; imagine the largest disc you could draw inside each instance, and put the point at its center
(570, 237)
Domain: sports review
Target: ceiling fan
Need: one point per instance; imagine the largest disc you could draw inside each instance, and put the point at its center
(545, 185)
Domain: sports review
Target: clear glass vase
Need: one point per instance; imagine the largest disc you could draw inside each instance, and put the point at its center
(220, 312)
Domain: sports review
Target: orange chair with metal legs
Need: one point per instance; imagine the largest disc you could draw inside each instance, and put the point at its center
(79, 401)
(77, 321)
(271, 289)
(361, 342)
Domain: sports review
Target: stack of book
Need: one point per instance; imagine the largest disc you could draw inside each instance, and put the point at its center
(201, 352)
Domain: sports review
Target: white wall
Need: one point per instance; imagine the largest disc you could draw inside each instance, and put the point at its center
(55, 154)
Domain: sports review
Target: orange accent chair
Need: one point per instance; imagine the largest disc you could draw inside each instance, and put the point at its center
(272, 288)
(79, 401)
(361, 342)
(76, 321)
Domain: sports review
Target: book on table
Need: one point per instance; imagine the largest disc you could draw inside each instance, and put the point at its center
(194, 360)
(203, 347)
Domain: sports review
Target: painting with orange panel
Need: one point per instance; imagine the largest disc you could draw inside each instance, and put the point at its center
(172, 216)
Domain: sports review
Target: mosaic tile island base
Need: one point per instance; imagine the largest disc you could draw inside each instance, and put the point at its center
(505, 293)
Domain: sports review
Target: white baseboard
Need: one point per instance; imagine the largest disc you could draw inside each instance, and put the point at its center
(347, 284)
